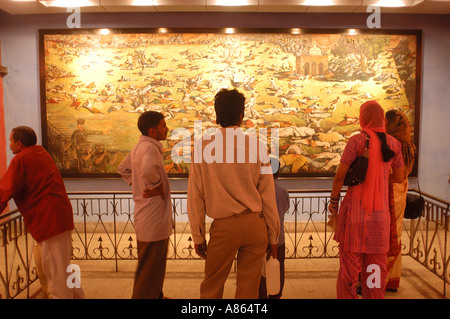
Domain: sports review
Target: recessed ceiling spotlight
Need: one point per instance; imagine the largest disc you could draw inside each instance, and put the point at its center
(144, 3)
(231, 3)
(70, 3)
(104, 31)
(318, 3)
(397, 3)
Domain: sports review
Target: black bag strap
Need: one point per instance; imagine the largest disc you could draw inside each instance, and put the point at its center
(367, 141)
(366, 145)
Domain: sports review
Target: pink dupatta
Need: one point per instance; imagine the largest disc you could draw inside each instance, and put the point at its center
(372, 120)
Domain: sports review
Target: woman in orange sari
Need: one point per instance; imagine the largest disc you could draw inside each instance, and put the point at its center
(362, 227)
(398, 126)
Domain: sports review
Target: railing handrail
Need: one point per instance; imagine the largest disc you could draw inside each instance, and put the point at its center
(442, 201)
(8, 214)
(114, 212)
(291, 191)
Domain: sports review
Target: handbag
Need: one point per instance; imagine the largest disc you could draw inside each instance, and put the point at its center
(356, 174)
(415, 205)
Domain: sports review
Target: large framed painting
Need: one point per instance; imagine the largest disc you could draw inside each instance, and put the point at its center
(303, 89)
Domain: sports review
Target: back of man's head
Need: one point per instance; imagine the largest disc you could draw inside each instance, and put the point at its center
(24, 134)
(275, 165)
(148, 120)
(229, 106)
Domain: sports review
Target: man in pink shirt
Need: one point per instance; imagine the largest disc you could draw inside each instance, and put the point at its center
(143, 169)
(35, 184)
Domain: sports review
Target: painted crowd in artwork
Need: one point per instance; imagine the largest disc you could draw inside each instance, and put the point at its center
(308, 86)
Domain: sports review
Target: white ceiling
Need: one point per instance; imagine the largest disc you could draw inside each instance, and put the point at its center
(342, 6)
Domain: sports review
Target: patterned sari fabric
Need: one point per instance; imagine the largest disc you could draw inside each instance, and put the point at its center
(363, 224)
(397, 206)
(398, 126)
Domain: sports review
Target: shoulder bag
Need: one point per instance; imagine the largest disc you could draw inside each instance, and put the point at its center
(357, 172)
(415, 205)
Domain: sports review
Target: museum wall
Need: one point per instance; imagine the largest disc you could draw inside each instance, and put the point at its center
(20, 53)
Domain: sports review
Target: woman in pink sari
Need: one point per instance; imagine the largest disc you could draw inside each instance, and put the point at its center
(362, 227)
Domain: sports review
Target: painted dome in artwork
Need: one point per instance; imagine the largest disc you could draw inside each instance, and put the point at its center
(315, 50)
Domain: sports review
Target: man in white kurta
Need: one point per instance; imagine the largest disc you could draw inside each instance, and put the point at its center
(143, 169)
(233, 184)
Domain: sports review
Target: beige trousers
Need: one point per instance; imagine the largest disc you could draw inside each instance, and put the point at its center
(244, 234)
(40, 271)
(55, 259)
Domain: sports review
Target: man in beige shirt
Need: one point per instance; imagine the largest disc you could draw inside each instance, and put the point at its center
(230, 180)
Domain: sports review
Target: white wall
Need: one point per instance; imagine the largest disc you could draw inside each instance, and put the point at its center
(19, 44)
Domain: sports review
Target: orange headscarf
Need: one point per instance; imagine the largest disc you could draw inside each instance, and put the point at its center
(371, 119)
(397, 125)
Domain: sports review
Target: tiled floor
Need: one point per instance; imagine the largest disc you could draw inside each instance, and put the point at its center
(305, 279)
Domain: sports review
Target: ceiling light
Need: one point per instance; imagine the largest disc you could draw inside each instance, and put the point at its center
(230, 3)
(70, 3)
(318, 3)
(397, 3)
(104, 31)
(144, 3)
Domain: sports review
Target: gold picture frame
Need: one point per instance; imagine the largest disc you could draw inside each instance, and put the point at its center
(306, 85)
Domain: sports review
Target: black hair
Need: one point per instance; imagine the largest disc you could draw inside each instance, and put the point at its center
(229, 106)
(275, 165)
(24, 134)
(386, 151)
(148, 120)
(390, 115)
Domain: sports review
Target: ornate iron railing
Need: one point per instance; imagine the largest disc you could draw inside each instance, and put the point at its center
(429, 238)
(104, 230)
(17, 269)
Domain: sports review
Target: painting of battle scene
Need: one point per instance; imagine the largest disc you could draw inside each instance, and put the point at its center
(308, 86)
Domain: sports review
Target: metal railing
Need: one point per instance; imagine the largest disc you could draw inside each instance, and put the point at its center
(17, 269)
(104, 230)
(429, 238)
